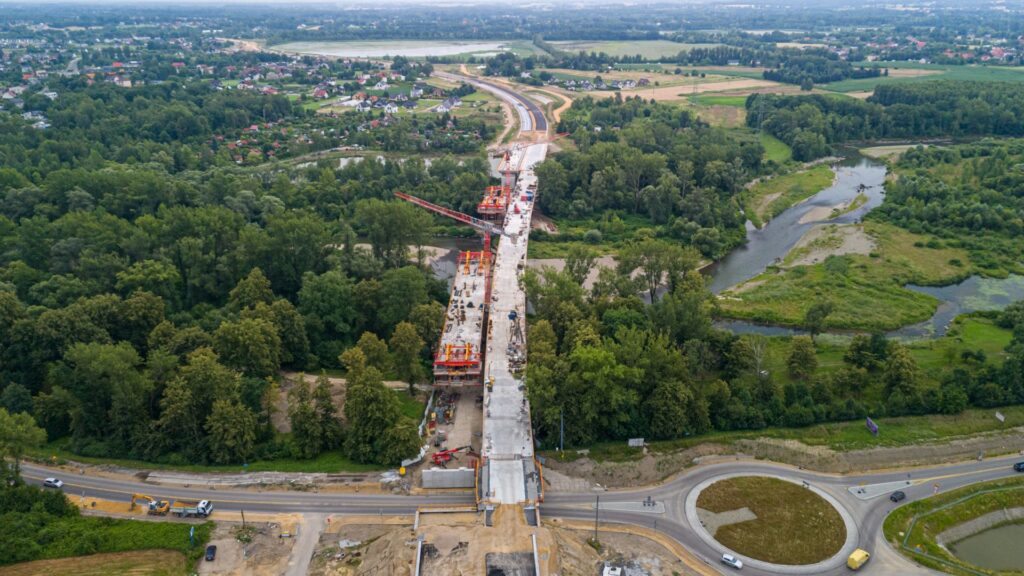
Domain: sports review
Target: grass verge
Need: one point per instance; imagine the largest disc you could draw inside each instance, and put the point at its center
(793, 525)
(974, 501)
(327, 462)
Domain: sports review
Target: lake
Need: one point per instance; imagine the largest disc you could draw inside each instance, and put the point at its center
(379, 49)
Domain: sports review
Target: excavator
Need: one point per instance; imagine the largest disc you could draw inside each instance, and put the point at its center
(443, 457)
(153, 506)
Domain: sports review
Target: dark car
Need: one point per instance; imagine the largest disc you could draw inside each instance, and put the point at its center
(211, 553)
(897, 496)
(1019, 466)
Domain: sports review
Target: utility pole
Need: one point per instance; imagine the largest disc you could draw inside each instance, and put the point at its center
(597, 515)
(561, 431)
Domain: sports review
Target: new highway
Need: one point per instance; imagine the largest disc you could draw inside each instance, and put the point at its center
(531, 117)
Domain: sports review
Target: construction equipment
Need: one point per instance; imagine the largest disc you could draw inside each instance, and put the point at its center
(153, 506)
(189, 508)
(443, 457)
(487, 229)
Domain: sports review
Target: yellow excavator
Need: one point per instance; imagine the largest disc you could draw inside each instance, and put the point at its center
(153, 506)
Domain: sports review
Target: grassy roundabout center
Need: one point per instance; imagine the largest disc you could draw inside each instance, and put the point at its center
(793, 525)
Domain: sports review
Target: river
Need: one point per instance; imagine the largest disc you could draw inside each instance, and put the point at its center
(780, 234)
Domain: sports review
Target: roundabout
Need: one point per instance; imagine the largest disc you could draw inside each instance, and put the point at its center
(772, 523)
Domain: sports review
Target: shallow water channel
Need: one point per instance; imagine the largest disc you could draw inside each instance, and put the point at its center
(994, 549)
(779, 235)
(767, 245)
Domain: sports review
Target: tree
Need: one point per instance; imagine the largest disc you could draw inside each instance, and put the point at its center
(370, 410)
(252, 290)
(251, 346)
(327, 413)
(291, 328)
(803, 360)
(375, 351)
(579, 262)
(900, 372)
(401, 290)
(391, 228)
(232, 432)
(429, 321)
(674, 412)
(406, 345)
(814, 318)
(16, 399)
(18, 433)
(307, 434)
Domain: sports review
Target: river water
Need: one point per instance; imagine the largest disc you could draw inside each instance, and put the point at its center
(781, 233)
(778, 236)
(995, 549)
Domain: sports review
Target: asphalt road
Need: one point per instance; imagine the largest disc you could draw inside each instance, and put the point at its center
(868, 514)
(531, 117)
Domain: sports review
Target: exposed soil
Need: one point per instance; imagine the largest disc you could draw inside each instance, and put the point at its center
(826, 240)
(656, 467)
(265, 555)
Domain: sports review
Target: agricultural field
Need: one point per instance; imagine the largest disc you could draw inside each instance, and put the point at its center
(925, 72)
(407, 48)
(649, 49)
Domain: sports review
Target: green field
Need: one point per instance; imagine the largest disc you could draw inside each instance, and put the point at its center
(775, 150)
(793, 525)
(934, 517)
(867, 290)
(713, 100)
(769, 198)
(976, 73)
(649, 49)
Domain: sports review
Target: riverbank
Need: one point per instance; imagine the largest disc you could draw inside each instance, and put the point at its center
(768, 198)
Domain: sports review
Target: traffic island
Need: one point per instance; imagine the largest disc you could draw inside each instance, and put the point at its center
(772, 523)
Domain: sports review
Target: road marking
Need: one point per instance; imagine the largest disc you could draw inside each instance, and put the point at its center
(956, 475)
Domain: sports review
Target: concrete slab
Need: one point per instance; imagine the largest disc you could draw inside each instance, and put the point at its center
(870, 491)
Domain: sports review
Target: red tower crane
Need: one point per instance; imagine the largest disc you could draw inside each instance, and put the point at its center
(484, 227)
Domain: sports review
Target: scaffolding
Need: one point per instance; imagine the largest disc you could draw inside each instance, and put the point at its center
(459, 359)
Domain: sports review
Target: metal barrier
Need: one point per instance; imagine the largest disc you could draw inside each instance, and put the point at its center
(943, 561)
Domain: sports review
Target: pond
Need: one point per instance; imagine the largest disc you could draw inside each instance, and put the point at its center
(994, 549)
(772, 242)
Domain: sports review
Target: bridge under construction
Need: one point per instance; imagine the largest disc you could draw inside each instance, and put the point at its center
(483, 341)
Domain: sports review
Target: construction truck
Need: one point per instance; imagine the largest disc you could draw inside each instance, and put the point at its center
(153, 506)
(191, 508)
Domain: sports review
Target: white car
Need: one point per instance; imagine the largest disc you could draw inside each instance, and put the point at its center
(730, 560)
(52, 483)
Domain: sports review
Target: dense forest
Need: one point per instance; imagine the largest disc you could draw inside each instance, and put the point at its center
(817, 68)
(610, 367)
(930, 109)
(149, 292)
(654, 160)
(971, 196)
